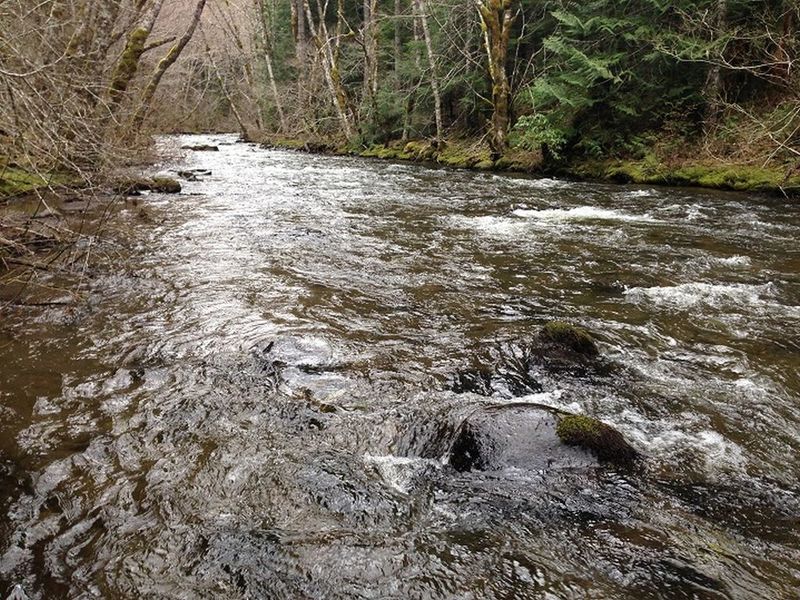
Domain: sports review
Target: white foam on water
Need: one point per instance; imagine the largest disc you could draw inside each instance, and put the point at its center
(733, 261)
(552, 399)
(687, 295)
(400, 471)
(543, 183)
(638, 194)
(719, 454)
(581, 213)
(721, 262)
(501, 226)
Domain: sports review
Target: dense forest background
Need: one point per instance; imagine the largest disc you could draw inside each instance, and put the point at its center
(545, 82)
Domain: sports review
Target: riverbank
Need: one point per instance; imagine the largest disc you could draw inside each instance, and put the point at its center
(473, 155)
(51, 222)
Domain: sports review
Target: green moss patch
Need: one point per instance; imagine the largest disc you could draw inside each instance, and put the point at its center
(743, 178)
(462, 156)
(15, 181)
(517, 159)
(650, 170)
(604, 441)
(386, 152)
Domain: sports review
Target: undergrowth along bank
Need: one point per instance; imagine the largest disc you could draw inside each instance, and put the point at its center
(778, 179)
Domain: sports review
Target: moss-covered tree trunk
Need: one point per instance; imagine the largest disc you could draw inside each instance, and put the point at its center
(164, 64)
(497, 21)
(128, 63)
(329, 49)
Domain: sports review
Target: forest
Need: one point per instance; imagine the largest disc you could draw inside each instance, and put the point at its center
(696, 92)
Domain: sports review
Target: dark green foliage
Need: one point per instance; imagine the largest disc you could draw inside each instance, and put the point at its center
(606, 79)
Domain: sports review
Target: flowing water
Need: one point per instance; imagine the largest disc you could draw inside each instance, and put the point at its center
(254, 399)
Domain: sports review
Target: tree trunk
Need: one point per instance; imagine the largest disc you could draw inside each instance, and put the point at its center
(266, 32)
(128, 63)
(301, 37)
(223, 86)
(412, 96)
(712, 90)
(164, 64)
(274, 87)
(783, 51)
(370, 48)
(330, 65)
(299, 28)
(398, 42)
(421, 10)
(496, 23)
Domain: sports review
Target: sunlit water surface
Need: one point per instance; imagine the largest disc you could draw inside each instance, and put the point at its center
(247, 405)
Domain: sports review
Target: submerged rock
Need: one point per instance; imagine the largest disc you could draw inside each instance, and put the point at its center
(535, 437)
(188, 176)
(193, 174)
(474, 381)
(518, 369)
(565, 348)
(17, 593)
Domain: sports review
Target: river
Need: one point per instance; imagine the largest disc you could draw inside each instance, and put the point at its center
(250, 401)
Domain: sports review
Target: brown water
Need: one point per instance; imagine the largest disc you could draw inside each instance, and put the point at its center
(254, 400)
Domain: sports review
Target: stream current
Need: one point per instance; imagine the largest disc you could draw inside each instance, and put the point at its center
(253, 400)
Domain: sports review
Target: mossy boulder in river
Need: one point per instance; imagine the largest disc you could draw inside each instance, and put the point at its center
(590, 434)
(165, 185)
(565, 348)
(568, 338)
(535, 437)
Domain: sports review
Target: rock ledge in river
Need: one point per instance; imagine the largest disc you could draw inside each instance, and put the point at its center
(201, 147)
(603, 440)
(133, 186)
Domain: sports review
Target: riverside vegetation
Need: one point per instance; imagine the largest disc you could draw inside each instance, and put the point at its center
(701, 93)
